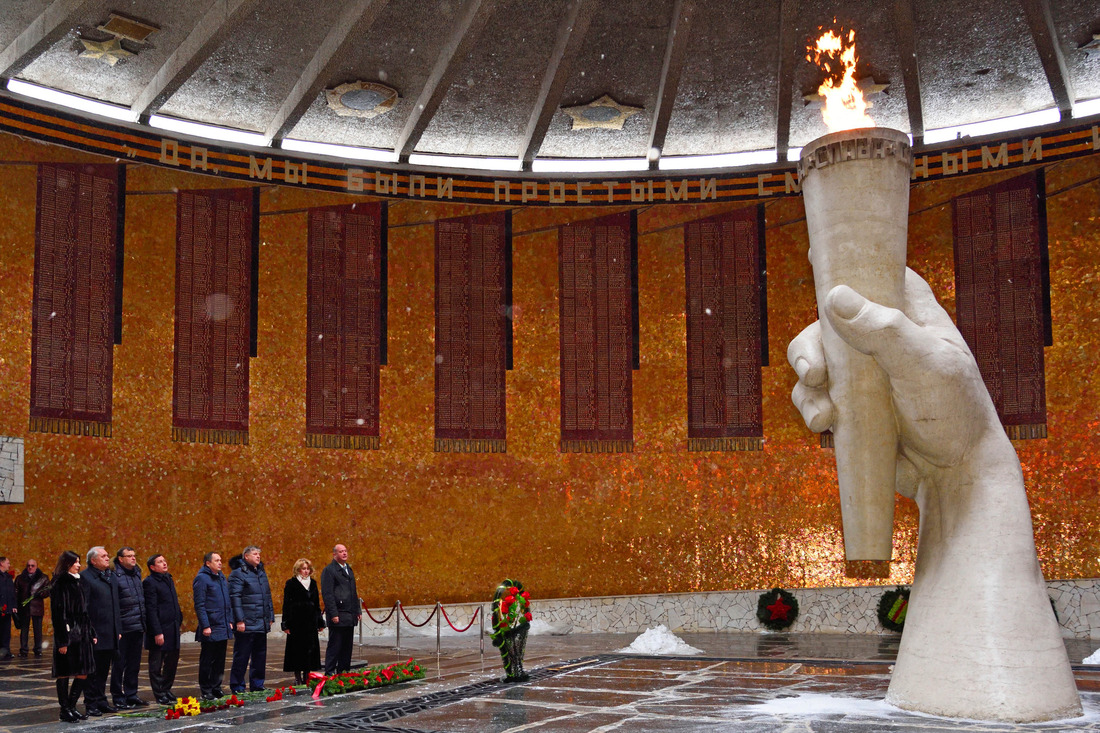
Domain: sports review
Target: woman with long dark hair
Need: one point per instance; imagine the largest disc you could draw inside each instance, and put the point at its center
(73, 635)
(302, 620)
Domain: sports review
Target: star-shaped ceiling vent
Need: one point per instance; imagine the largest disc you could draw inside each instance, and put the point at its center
(117, 29)
(604, 113)
(365, 99)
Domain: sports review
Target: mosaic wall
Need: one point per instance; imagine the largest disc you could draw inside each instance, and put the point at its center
(422, 525)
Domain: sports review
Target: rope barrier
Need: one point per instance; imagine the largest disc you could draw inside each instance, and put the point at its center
(463, 630)
(372, 618)
(417, 626)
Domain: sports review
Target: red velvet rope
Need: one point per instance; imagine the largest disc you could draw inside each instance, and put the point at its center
(472, 619)
(372, 618)
(430, 617)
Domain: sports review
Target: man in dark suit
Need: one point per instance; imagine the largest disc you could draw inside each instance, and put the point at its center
(162, 636)
(100, 587)
(342, 610)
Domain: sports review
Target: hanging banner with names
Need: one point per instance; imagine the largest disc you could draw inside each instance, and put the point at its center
(345, 294)
(598, 275)
(77, 302)
(1002, 286)
(217, 253)
(726, 330)
(473, 332)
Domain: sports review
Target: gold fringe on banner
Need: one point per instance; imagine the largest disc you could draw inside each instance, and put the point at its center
(1026, 432)
(597, 446)
(827, 439)
(354, 442)
(725, 444)
(207, 435)
(67, 426)
(463, 445)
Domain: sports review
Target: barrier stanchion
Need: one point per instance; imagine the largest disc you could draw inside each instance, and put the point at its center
(438, 629)
(399, 615)
(481, 636)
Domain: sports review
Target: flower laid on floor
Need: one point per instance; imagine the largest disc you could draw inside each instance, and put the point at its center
(183, 706)
(377, 676)
(191, 706)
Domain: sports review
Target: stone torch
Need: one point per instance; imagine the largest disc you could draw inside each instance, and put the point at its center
(856, 189)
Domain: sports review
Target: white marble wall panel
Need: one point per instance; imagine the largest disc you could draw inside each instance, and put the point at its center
(821, 610)
(11, 470)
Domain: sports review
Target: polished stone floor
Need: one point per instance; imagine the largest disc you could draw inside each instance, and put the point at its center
(743, 682)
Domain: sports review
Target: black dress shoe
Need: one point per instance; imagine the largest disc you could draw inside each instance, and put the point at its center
(22, 652)
(68, 716)
(79, 715)
(106, 707)
(136, 702)
(122, 705)
(218, 692)
(92, 711)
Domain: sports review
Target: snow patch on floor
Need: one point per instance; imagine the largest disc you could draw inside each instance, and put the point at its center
(659, 640)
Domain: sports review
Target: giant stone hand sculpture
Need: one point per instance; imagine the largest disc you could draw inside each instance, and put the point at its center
(980, 639)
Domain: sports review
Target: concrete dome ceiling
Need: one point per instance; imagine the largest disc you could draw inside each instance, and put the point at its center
(494, 78)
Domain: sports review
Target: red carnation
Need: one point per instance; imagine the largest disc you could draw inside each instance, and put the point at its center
(526, 595)
(527, 615)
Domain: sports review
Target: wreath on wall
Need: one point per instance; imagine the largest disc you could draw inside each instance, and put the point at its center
(892, 607)
(776, 609)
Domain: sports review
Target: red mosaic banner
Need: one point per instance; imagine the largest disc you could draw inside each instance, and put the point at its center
(216, 257)
(723, 268)
(344, 325)
(597, 261)
(472, 332)
(1002, 296)
(77, 304)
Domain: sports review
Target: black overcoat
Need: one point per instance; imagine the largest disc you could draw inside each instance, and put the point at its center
(162, 611)
(72, 628)
(302, 618)
(340, 595)
(101, 590)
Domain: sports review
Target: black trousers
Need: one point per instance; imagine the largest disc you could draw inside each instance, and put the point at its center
(162, 669)
(124, 676)
(96, 690)
(5, 632)
(211, 665)
(26, 622)
(249, 652)
(341, 639)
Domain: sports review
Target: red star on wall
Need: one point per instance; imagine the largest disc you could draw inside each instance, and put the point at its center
(779, 609)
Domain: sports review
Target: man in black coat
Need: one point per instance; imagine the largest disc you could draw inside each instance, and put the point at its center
(7, 608)
(100, 587)
(131, 604)
(342, 610)
(162, 637)
(32, 587)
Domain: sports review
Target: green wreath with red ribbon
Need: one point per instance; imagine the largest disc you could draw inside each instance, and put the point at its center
(776, 609)
(892, 607)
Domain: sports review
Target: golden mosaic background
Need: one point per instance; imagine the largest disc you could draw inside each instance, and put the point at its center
(423, 526)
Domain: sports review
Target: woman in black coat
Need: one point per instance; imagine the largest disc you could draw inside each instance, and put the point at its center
(302, 620)
(73, 635)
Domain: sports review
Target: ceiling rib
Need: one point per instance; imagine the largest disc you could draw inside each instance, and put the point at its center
(571, 33)
(675, 52)
(202, 41)
(467, 28)
(788, 28)
(1041, 23)
(51, 25)
(357, 16)
(905, 34)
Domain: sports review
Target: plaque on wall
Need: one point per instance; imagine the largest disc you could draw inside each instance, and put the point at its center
(726, 348)
(12, 483)
(1002, 287)
(76, 312)
(345, 292)
(597, 261)
(473, 328)
(217, 241)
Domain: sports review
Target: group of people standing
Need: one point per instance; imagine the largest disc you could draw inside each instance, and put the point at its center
(21, 601)
(103, 617)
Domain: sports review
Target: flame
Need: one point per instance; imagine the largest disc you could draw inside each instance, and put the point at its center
(844, 108)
